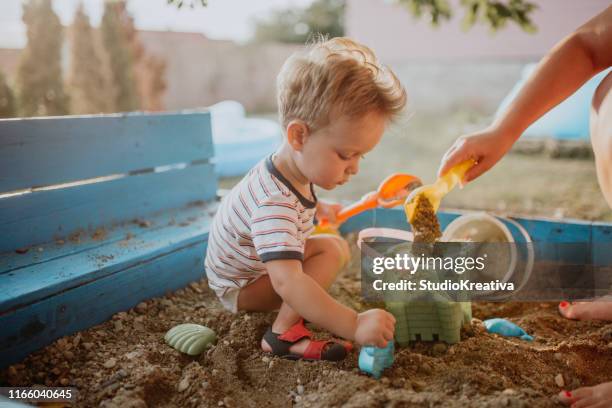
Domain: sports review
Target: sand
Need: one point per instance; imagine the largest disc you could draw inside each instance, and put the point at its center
(125, 362)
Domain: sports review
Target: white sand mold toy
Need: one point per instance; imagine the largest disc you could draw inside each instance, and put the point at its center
(190, 338)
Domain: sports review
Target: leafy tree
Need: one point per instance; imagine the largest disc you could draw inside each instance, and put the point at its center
(192, 3)
(494, 13)
(89, 88)
(8, 108)
(152, 82)
(39, 76)
(117, 37)
(293, 25)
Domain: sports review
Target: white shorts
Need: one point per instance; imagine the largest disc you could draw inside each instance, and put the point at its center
(228, 298)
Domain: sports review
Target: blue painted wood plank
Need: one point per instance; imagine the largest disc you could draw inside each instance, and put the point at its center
(45, 151)
(358, 222)
(88, 240)
(32, 283)
(601, 238)
(541, 230)
(30, 328)
(43, 216)
(568, 241)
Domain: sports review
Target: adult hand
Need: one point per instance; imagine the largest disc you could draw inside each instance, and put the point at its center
(486, 147)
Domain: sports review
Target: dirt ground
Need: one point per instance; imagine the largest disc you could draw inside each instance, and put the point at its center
(125, 362)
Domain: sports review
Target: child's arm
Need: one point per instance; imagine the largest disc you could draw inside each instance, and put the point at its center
(571, 63)
(309, 300)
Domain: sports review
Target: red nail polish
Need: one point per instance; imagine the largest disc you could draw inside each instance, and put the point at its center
(564, 304)
(568, 394)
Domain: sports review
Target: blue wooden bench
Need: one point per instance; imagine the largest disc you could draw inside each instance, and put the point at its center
(97, 214)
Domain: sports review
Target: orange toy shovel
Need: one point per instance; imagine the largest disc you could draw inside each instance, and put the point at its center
(391, 192)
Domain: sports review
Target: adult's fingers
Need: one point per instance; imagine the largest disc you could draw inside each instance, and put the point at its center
(585, 402)
(478, 169)
(603, 404)
(381, 342)
(460, 154)
(388, 334)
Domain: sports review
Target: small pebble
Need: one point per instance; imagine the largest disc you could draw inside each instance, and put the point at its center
(300, 389)
(88, 346)
(64, 381)
(425, 368)
(265, 359)
(205, 385)
(418, 385)
(385, 381)
(509, 391)
(439, 349)
(69, 355)
(559, 380)
(271, 364)
(77, 340)
(110, 363)
(229, 402)
(183, 385)
(118, 326)
(141, 307)
(607, 334)
(398, 383)
(215, 371)
(56, 371)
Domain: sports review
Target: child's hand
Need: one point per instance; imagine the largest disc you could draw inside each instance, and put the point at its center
(486, 147)
(328, 212)
(375, 327)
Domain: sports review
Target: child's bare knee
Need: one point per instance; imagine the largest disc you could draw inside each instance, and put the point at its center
(342, 249)
(346, 251)
(330, 244)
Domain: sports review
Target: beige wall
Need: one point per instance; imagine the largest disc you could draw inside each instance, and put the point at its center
(203, 71)
(396, 36)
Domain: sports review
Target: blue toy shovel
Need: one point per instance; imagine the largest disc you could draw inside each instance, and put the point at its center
(506, 328)
(373, 360)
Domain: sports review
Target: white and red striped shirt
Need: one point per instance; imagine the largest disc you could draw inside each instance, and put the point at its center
(263, 218)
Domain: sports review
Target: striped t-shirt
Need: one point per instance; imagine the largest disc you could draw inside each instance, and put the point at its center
(262, 218)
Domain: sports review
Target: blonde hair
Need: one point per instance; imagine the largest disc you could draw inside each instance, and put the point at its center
(339, 76)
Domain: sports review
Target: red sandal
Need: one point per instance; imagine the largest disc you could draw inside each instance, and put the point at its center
(316, 350)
